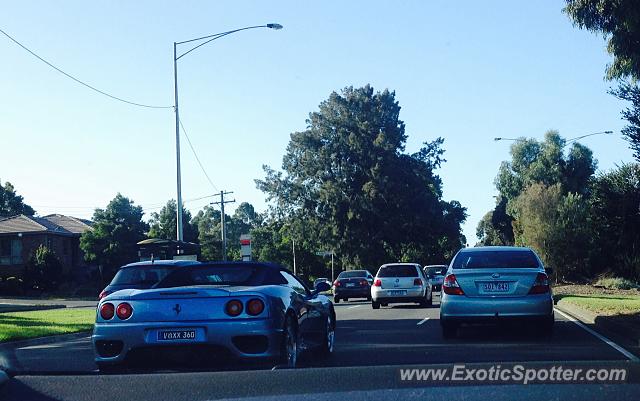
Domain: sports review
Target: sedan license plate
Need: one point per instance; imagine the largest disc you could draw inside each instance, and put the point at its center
(499, 286)
(351, 285)
(172, 335)
(397, 292)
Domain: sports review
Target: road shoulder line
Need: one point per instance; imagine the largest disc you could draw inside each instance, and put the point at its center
(606, 340)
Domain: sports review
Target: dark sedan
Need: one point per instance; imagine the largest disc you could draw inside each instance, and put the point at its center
(352, 284)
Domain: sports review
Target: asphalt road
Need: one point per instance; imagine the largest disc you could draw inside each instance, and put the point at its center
(366, 339)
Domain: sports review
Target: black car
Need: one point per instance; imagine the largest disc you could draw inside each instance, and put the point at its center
(143, 275)
(352, 284)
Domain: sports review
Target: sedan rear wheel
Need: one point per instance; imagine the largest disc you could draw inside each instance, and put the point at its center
(336, 300)
(290, 344)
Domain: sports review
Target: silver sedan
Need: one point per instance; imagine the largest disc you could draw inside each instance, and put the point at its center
(491, 284)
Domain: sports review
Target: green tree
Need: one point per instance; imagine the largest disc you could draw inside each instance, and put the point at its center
(533, 162)
(43, 269)
(619, 22)
(615, 205)
(349, 186)
(163, 225)
(556, 225)
(116, 231)
(207, 221)
(11, 203)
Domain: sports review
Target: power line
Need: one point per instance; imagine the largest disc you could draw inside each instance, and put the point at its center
(197, 158)
(81, 82)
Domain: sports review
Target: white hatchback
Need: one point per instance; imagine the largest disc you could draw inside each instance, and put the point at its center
(400, 283)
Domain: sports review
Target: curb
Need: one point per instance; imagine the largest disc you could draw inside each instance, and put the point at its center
(43, 340)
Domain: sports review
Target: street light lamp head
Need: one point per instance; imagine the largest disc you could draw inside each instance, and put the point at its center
(274, 26)
(497, 139)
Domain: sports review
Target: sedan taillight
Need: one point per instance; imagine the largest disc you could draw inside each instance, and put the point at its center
(364, 282)
(377, 283)
(450, 286)
(336, 283)
(541, 285)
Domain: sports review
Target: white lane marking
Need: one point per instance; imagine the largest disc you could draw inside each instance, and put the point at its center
(354, 306)
(423, 321)
(613, 345)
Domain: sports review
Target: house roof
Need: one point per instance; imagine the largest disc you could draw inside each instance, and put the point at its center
(57, 224)
(72, 224)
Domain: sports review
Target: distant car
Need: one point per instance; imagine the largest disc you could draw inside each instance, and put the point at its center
(141, 275)
(352, 284)
(435, 275)
(245, 310)
(400, 283)
(321, 280)
(490, 284)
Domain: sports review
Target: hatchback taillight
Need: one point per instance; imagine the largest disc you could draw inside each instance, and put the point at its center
(541, 285)
(377, 283)
(417, 281)
(336, 283)
(450, 285)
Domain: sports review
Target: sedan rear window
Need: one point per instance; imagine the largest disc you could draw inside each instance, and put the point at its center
(496, 259)
(354, 273)
(213, 275)
(398, 271)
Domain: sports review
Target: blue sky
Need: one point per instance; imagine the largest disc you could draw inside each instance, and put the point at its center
(464, 70)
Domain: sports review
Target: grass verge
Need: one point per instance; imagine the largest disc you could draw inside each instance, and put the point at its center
(604, 304)
(23, 325)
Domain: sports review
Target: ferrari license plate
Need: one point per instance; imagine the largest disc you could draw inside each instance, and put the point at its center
(169, 335)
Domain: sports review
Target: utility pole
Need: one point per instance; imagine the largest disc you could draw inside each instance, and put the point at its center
(294, 257)
(223, 222)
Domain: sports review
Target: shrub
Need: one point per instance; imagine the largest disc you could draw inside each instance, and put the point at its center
(616, 283)
(43, 270)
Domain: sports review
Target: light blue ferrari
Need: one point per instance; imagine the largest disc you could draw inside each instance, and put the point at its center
(214, 311)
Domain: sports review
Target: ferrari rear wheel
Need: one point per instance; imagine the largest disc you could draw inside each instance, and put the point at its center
(290, 348)
(330, 336)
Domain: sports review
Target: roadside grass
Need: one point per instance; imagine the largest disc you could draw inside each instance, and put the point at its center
(23, 325)
(602, 304)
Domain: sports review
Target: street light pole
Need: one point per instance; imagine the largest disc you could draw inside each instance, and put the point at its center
(568, 141)
(209, 38)
(179, 230)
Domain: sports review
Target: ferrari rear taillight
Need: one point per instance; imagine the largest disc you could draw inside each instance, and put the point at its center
(233, 308)
(541, 285)
(450, 285)
(255, 306)
(377, 283)
(124, 311)
(107, 311)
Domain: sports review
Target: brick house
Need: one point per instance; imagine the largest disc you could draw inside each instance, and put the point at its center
(21, 235)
